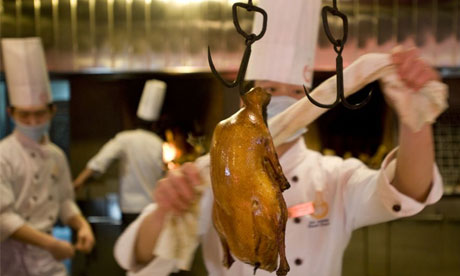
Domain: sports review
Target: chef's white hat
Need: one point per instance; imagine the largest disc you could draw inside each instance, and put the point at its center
(26, 74)
(152, 100)
(286, 53)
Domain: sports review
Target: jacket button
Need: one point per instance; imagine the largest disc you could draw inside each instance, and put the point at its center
(297, 220)
(295, 178)
(34, 198)
(396, 207)
(298, 261)
(36, 176)
(50, 197)
(27, 218)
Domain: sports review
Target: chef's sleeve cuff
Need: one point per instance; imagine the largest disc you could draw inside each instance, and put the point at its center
(68, 210)
(96, 166)
(398, 203)
(10, 222)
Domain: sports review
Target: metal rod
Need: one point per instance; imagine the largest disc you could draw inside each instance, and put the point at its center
(37, 6)
(18, 18)
(414, 21)
(147, 16)
(1, 16)
(147, 22)
(110, 31)
(129, 29)
(434, 19)
(456, 33)
(55, 15)
(73, 28)
(92, 29)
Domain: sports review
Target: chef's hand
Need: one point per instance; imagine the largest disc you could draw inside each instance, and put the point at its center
(61, 250)
(85, 239)
(412, 69)
(176, 191)
(77, 184)
(82, 178)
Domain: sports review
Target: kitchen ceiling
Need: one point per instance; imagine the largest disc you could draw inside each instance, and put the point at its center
(173, 35)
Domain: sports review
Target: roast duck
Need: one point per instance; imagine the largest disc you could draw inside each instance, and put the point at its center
(249, 211)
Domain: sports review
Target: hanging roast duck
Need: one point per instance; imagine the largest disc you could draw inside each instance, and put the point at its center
(249, 212)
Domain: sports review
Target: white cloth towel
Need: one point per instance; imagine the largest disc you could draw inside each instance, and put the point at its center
(180, 236)
(414, 108)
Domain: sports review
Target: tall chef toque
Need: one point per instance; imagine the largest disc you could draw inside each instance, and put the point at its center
(152, 100)
(286, 53)
(26, 74)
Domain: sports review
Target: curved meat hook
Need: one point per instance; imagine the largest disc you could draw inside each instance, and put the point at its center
(338, 48)
(250, 38)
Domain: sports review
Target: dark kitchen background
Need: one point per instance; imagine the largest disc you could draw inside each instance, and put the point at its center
(101, 52)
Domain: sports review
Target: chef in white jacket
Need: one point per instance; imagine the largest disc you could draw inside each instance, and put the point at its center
(345, 194)
(35, 183)
(140, 154)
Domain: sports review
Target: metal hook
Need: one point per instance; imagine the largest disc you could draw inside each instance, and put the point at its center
(338, 48)
(249, 39)
(307, 93)
(340, 96)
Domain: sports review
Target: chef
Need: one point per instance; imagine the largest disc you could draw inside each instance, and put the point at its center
(35, 183)
(140, 153)
(345, 194)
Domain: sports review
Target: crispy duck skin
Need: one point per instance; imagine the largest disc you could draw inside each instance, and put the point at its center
(249, 211)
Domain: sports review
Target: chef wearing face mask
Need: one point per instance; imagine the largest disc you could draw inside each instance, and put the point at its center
(35, 183)
(329, 197)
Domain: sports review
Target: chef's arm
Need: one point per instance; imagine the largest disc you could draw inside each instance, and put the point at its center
(99, 163)
(173, 194)
(83, 177)
(13, 226)
(415, 157)
(59, 249)
(85, 236)
(414, 164)
(147, 236)
(29, 235)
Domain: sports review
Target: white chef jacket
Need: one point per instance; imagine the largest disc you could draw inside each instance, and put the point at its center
(356, 196)
(140, 153)
(35, 189)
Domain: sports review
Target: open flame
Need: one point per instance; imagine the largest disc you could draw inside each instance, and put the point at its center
(169, 154)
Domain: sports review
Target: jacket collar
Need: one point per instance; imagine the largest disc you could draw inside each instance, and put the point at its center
(293, 156)
(31, 145)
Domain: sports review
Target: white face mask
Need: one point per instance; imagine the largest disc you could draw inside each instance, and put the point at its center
(33, 132)
(277, 105)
